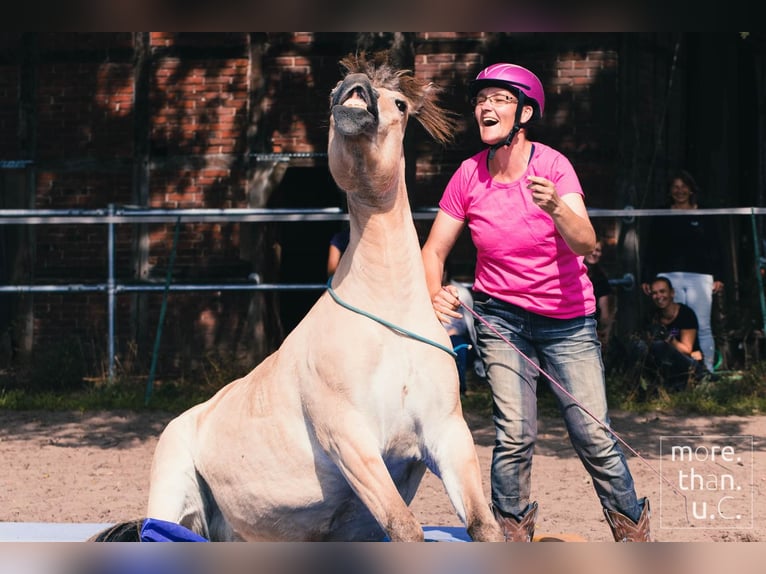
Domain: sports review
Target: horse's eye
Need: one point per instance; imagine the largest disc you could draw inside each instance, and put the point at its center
(402, 105)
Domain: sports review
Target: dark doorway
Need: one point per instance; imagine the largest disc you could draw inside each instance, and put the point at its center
(304, 244)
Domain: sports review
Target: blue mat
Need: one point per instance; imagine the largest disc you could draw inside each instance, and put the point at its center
(157, 531)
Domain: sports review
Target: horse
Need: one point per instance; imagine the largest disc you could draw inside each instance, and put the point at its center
(329, 437)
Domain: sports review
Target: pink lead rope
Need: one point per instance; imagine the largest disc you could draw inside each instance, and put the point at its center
(574, 400)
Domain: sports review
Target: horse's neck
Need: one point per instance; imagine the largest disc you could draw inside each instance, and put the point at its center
(385, 250)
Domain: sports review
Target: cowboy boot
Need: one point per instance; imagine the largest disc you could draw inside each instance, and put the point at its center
(518, 530)
(625, 530)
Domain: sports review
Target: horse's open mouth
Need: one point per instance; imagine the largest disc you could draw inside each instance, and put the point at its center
(356, 98)
(354, 106)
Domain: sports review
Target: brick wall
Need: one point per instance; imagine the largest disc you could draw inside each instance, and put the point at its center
(179, 135)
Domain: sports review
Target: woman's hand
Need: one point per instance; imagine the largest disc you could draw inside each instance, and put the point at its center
(717, 287)
(543, 193)
(446, 304)
(568, 213)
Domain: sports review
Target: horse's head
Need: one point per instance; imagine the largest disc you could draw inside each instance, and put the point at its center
(369, 112)
(355, 106)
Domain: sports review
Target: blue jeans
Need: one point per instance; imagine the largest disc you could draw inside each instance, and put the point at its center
(568, 350)
(674, 368)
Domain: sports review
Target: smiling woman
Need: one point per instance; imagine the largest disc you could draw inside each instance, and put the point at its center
(524, 206)
(672, 346)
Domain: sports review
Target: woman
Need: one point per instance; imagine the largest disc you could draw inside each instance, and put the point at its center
(523, 204)
(685, 249)
(673, 341)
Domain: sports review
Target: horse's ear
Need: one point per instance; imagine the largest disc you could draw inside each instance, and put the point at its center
(439, 122)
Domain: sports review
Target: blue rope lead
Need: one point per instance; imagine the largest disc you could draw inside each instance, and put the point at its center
(385, 323)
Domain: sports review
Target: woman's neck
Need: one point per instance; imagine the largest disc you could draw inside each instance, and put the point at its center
(669, 313)
(510, 162)
(685, 205)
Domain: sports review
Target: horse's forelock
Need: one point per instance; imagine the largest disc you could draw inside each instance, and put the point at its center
(436, 120)
(377, 68)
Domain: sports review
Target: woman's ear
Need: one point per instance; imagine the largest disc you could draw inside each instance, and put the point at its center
(526, 114)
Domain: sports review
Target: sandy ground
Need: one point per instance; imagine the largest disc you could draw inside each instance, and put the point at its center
(72, 467)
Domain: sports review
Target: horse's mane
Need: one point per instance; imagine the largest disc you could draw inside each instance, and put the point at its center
(437, 121)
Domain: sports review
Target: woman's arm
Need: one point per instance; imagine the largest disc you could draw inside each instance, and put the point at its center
(333, 258)
(605, 319)
(444, 232)
(685, 343)
(568, 213)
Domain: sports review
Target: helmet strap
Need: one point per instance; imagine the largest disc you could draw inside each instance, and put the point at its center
(517, 125)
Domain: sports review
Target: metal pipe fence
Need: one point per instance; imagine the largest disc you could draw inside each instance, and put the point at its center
(113, 215)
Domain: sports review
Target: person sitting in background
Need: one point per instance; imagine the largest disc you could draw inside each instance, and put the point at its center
(338, 244)
(671, 344)
(604, 294)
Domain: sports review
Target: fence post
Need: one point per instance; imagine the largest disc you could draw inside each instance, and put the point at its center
(111, 282)
(168, 280)
(757, 253)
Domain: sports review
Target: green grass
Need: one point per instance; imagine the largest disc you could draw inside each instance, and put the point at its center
(30, 391)
(736, 393)
(168, 396)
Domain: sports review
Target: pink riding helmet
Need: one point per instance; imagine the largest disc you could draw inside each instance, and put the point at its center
(516, 79)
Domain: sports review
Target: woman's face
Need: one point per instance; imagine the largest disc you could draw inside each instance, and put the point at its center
(594, 256)
(495, 111)
(662, 295)
(680, 192)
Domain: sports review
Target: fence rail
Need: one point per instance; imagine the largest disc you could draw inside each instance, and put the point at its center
(113, 215)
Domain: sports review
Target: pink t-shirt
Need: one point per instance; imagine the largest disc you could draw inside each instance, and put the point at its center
(521, 257)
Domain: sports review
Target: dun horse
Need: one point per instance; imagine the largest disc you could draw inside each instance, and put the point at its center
(329, 438)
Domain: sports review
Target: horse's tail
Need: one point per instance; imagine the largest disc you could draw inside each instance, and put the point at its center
(146, 530)
(128, 531)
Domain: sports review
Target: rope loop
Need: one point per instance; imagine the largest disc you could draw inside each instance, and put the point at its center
(385, 323)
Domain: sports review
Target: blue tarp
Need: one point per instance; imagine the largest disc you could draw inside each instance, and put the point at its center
(154, 530)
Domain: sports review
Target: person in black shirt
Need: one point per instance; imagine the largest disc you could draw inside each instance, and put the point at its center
(686, 250)
(672, 344)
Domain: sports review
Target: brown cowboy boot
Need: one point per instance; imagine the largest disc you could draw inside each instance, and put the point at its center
(625, 530)
(518, 530)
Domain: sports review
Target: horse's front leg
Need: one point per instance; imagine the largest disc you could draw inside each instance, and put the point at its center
(455, 460)
(355, 451)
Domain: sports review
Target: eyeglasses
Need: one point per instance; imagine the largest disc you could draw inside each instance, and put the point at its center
(497, 100)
